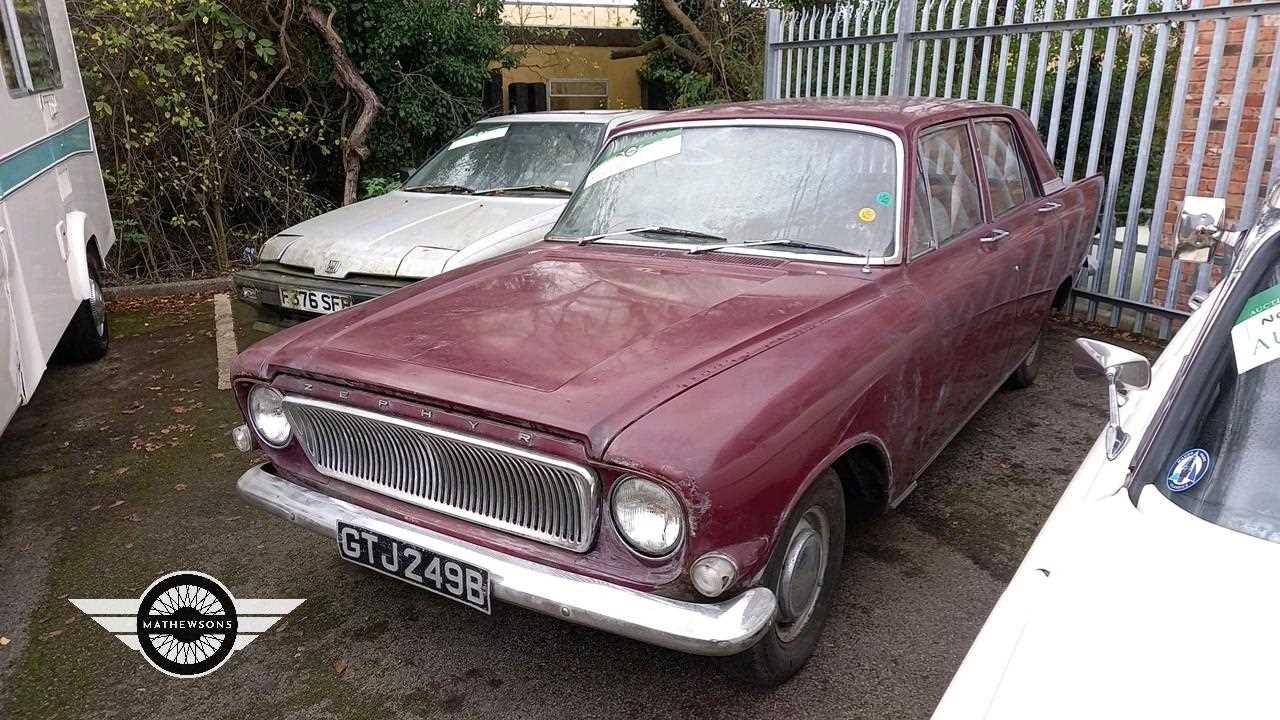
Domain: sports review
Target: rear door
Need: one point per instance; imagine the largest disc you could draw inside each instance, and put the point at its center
(1025, 234)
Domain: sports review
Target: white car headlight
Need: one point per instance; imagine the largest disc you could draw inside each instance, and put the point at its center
(266, 412)
(647, 515)
(424, 262)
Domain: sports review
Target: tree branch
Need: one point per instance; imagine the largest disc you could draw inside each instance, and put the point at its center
(661, 42)
(355, 151)
(686, 22)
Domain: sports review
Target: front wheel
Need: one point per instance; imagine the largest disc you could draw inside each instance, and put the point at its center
(88, 337)
(803, 573)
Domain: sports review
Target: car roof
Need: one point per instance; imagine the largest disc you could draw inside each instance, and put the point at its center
(898, 114)
(581, 116)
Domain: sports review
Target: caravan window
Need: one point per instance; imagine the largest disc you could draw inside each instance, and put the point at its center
(31, 60)
(6, 54)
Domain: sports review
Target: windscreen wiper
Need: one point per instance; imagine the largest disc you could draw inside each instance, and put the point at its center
(457, 189)
(525, 188)
(799, 244)
(649, 229)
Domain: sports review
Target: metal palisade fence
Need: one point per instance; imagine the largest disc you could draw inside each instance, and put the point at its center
(1160, 96)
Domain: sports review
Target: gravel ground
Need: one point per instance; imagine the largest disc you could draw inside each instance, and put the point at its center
(121, 471)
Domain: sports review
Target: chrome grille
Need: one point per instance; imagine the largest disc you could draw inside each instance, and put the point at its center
(507, 488)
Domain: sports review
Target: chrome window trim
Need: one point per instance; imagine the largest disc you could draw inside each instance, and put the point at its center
(588, 483)
(900, 156)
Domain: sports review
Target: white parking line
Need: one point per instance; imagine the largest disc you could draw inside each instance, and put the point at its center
(225, 332)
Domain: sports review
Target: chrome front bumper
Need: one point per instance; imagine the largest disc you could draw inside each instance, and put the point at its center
(722, 628)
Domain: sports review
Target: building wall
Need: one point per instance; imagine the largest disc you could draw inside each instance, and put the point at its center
(558, 62)
(1211, 168)
(570, 16)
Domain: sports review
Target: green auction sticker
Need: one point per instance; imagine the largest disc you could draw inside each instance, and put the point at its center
(884, 199)
(1256, 334)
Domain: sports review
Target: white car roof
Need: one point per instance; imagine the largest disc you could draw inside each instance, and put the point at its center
(580, 116)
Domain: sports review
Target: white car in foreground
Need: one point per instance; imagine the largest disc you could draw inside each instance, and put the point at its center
(1153, 590)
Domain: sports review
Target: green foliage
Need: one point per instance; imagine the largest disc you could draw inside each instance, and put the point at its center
(735, 29)
(375, 185)
(428, 61)
(219, 122)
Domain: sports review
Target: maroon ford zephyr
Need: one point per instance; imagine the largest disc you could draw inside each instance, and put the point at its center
(752, 324)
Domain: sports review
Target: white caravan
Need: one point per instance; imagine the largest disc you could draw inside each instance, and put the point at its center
(55, 227)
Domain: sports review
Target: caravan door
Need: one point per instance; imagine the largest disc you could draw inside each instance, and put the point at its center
(10, 375)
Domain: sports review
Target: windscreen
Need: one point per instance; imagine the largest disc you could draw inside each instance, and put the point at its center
(745, 183)
(1227, 470)
(502, 155)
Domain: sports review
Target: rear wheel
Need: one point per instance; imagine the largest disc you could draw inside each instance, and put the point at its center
(803, 573)
(88, 337)
(1025, 374)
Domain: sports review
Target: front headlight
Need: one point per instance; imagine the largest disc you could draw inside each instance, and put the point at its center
(647, 515)
(424, 262)
(266, 412)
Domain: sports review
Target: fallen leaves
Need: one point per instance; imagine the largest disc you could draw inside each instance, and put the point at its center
(340, 665)
(4, 641)
(180, 487)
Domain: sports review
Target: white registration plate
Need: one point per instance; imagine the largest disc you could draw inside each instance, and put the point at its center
(313, 301)
(417, 566)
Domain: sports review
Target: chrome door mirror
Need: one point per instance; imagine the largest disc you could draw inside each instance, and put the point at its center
(1121, 370)
(1199, 227)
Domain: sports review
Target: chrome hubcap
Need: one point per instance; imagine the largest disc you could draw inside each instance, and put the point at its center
(98, 307)
(803, 565)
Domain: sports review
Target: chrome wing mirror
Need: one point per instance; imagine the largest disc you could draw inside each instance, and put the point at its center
(1201, 225)
(1121, 371)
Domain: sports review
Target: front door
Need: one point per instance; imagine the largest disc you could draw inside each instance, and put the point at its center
(1027, 241)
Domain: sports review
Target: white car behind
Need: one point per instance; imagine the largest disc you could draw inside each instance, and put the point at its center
(497, 187)
(1153, 590)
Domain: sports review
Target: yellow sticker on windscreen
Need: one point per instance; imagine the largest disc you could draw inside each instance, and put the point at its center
(867, 215)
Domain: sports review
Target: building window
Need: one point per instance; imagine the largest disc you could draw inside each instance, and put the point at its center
(578, 94)
(31, 60)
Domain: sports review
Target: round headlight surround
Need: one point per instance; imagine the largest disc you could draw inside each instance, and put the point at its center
(266, 415)
(666, 533)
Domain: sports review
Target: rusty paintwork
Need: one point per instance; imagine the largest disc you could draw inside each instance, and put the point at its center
(734, 379)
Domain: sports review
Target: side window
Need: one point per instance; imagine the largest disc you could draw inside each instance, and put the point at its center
(951, 182)
(1007, 177)
(29, 48)
(922, 239)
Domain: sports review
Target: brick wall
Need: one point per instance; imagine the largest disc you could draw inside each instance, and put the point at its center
(1213, 157)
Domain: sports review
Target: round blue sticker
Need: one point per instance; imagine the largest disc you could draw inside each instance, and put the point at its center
(1189, 469)
(884, 199)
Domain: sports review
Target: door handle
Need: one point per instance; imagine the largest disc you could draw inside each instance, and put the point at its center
(1049, 207)
(995, 235)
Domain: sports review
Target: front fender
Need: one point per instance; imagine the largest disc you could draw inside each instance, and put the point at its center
(742, 447)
